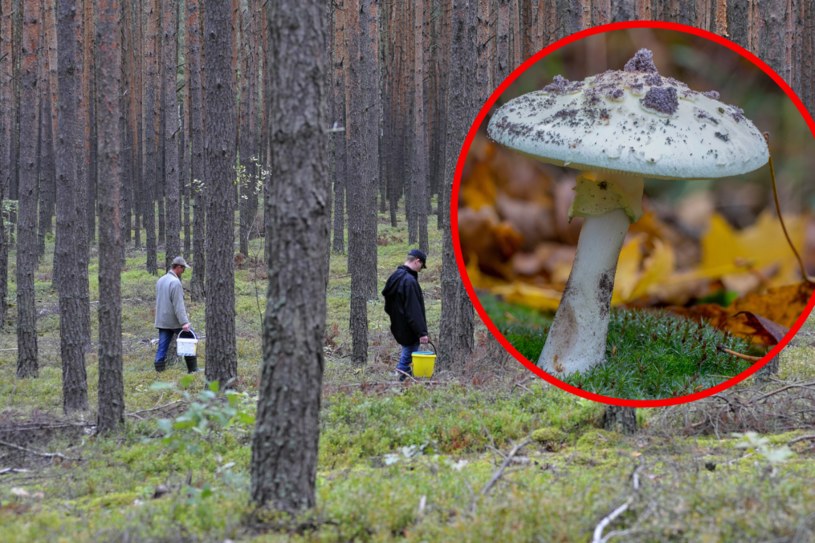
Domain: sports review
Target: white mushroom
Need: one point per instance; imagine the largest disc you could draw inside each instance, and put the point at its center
(618, 128)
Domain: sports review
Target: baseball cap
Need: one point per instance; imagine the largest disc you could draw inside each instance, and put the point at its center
(420, 255)
(179, 261)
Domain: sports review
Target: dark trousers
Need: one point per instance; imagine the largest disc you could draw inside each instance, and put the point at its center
(406, 358)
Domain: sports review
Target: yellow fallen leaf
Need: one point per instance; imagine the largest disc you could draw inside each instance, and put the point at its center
(544, 299)
(628, 269)
(657, 268)
(478, 189)
(726, 251)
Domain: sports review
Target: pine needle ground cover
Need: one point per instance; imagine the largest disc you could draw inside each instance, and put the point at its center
(650, 354)
(415, 462)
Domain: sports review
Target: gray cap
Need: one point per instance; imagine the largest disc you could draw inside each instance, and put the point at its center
(179, 261)
(631, 121)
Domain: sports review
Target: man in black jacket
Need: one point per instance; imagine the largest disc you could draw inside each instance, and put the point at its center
(404, 303)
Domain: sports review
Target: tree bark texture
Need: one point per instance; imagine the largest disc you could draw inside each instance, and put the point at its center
(5, 145)
(150, 118)
(27, 365)
(620, 419)
(67, 257)
(418, 180)
(111, 385)
(85, 143)
(196, 128)
(47, 93)
(437, 102)
(14, 111)
(133, 73)
(397, 59)
(219, 149)
(89, 122)
(172, 189)
(456, 334)
(248, 127)
(284, 449)
(362, 140)
(338, 123)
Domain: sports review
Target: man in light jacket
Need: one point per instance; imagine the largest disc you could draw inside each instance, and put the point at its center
(171, 314)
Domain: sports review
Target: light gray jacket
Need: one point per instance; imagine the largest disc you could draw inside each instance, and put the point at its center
(170, 310)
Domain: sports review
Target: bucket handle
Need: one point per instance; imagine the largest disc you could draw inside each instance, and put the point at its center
(191, 332)
(435, 351)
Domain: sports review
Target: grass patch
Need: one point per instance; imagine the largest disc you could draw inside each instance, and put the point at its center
(649, 354)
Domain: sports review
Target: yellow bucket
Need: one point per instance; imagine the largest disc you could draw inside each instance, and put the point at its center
(423, 362)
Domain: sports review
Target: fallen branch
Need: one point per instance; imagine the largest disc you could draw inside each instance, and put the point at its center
(522, 383)
(500, 471)
(38, 453)
(747, 357)
(783, 389)
(801, 438)
(13, 470)
(407, 375)
(136, 414)
(608, 519)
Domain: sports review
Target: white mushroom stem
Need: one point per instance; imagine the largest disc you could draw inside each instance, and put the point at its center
(577, 338)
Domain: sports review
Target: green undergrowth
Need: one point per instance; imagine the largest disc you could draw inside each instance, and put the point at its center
(397, 462)
(649, 354)
(415, 464)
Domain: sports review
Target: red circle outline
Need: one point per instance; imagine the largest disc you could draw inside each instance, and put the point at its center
(457, 182)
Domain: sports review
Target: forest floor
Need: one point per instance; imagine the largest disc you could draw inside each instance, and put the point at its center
(487, 453)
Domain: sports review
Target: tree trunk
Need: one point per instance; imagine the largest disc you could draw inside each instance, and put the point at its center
(133, 72)
(456, 334)
(196, 129)
(28, 196)
(111, 386)
(86, 169)
(248, 133)
(68, 260)
(338, 123)
(48, 86)
(362, 142)
(418, 181)
(219, 127)
(438, 133)
(184, 181)
(284, 449)
(149, 119)
(47, 174)
(5, 145)
(620, 419)
(169, 52)
(14, 111)
(89, 143)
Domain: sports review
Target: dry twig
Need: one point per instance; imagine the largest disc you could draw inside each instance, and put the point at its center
(38, 453)
(500, 471)
(801, 438)
(137, 414)
(608, 519)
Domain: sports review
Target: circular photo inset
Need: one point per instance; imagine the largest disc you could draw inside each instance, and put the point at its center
(614, 217)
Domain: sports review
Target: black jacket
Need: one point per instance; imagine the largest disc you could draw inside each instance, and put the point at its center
(404, 303)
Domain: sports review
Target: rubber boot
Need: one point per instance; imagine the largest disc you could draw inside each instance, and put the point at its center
(192, 364)
(161, 365)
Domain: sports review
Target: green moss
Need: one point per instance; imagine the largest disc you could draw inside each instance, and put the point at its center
(649, 354)
(550, 438)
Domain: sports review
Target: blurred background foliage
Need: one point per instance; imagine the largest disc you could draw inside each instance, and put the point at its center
(700, 244)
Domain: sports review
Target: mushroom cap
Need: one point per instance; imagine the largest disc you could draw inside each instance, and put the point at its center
(631, 121)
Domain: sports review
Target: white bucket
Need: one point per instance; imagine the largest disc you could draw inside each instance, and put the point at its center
(185, 346)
